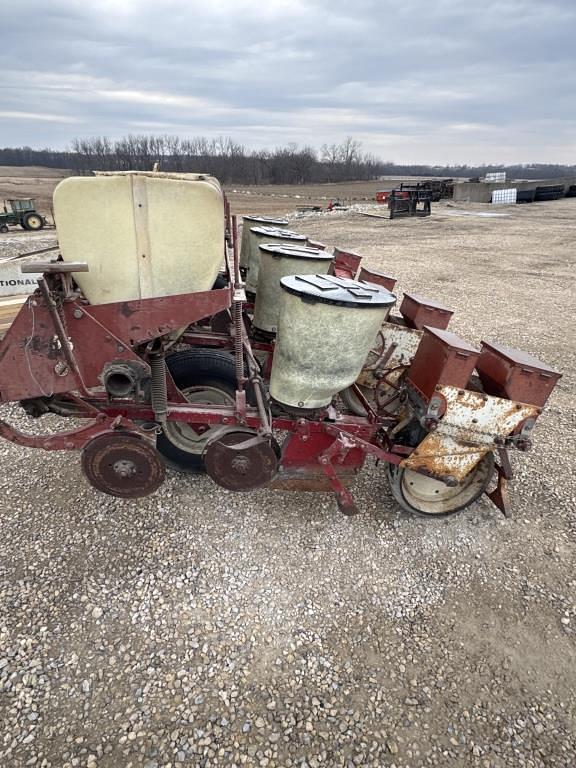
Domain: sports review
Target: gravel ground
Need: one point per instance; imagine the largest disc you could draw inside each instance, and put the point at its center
(201, 628)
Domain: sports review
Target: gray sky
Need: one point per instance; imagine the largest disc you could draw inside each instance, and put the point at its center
(438, 81)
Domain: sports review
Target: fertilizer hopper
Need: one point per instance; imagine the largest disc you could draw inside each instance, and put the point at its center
(142, 235)
(247, 237)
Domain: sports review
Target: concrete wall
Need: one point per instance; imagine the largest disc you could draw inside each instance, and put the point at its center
(479, 192)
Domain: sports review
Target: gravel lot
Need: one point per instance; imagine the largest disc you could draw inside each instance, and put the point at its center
(201, 628)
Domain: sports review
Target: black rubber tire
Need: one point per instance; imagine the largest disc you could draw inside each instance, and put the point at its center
(196, 367)
(28, 217)
(4, 228)
(220, 282)
(395, 477)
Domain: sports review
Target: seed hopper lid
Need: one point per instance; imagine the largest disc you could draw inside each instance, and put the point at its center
(520, 358)
(449, 339)
(340, 291)
(425, 302)
(266, 220)
(295, 252)
(280, 234)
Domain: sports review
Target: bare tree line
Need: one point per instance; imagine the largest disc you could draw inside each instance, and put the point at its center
(233, 163)
(228, 160)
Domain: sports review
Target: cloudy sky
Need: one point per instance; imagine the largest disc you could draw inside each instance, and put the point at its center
(438, 81)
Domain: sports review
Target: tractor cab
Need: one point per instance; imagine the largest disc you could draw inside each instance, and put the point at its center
(21, 205)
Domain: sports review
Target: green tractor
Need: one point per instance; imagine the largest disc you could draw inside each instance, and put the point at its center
(21, 212)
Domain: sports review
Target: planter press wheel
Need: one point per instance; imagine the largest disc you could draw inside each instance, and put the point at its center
(33, 222)
(122, 464)
(205, 377)
(424, 496)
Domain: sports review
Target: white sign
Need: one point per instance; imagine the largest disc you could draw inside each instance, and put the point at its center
(495, 178)
(13, 282)
(504, 196)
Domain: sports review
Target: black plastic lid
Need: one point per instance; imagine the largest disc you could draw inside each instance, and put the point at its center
(266, 220)
(281, 234)
(295, 251)
(340, 291)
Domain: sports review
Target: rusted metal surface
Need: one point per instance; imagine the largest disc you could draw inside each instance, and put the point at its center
(372, 276)
(481, 416)
(473, 424)
(511, 373)
(345, 264)
(500, 496)
(418, 311)
(344, 498)
(329, 459)
(123, 464)
(145, 319)
(34, 362)
(311, 478)
(241, 460)
(302, 451)
(70, 440)
(406, 202)
(443, 457)
(403, 342)
(441, 358)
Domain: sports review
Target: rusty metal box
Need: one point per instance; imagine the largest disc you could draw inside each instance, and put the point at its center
(441, 358)
(418, 312)
(379, 278)
(345, 263)
(511, 373)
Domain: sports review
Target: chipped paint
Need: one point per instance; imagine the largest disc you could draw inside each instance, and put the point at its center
(466, 432)
(406, 341)
(441, 456)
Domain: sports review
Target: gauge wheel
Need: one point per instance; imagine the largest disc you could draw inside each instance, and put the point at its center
(352, 403)
(427, 497)
(32, 221)
(205, 377)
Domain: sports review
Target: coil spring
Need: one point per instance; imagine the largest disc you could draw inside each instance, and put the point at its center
(238, 343)
(159, 395)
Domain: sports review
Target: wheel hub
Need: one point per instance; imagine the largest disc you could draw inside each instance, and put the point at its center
(122, 464)
(240, 459)
(241, 465)
(187, 437)
(124, 468)
(427, 496)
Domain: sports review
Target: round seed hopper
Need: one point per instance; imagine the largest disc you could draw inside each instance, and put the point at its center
(261, 235)
(256, 221)
(326, 328)
(276, 262)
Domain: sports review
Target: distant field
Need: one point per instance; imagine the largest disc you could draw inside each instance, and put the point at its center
(30, 181)
(33, 171)
(39, 183)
